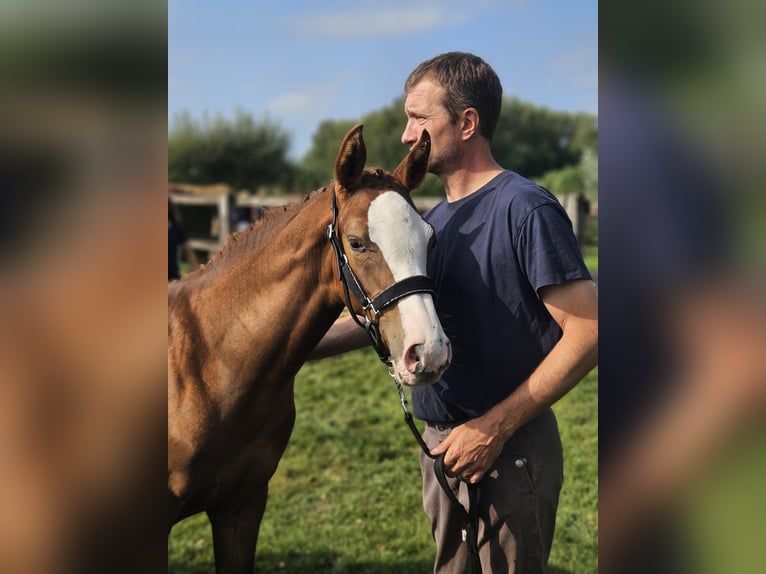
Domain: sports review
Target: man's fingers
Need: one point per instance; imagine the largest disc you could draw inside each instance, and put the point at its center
(455, 468)
(442, 447)
(474, 478)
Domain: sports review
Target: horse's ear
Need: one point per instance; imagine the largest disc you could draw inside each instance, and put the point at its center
(352, 156)
(414, 167)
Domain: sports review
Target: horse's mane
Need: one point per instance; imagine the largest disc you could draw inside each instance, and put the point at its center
(256, 233)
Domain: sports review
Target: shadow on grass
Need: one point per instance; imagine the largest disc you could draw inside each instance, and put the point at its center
(316, 562)
(323, 562)
(174, 567)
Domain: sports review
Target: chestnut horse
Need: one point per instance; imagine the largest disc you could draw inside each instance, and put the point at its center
(240, 328)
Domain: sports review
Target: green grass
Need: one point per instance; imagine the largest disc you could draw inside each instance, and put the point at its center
(590, 254)
(346, 498)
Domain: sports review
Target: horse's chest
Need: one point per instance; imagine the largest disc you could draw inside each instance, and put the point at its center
(233, 457)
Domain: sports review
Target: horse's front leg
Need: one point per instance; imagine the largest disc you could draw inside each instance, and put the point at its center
(235, 533)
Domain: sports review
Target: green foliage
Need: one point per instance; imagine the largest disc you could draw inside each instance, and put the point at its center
(247, 154)
(530, 140)
(241, 152)
(347, 495)
(563, 181)
(533, 140)
(578, 178)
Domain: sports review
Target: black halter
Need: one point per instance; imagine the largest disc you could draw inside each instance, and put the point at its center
(372, 307)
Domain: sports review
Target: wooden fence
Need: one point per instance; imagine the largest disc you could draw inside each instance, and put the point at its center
(209, 213)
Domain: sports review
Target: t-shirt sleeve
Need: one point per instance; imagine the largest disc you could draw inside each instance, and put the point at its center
(547, 249)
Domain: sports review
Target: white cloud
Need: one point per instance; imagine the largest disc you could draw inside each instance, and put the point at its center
(292, 103)
(376, 22)
(304, 102)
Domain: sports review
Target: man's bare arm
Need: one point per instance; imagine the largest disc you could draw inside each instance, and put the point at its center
(344, 335)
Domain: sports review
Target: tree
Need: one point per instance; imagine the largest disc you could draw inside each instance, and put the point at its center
(241, 152)
(534, 140)
(579, 178)
(560, 182)
(529, 139)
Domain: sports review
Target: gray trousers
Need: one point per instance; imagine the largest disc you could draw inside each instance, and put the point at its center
(518, 498)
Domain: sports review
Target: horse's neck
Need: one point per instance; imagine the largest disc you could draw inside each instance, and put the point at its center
(267, 309)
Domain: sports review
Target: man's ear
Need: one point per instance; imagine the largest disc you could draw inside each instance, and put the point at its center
(470, 123)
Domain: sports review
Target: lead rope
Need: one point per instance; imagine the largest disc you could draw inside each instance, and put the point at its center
(470, 529)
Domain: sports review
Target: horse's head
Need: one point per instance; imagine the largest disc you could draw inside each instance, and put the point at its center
(386, 243)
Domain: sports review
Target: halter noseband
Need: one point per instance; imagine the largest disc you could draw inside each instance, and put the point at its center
(373, 308)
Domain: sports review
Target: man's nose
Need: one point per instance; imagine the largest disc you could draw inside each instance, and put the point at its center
(409, 135)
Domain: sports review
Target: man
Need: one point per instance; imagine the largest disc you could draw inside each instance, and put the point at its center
(520, 309)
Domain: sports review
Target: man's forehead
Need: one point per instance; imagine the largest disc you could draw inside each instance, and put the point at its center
(426, 93)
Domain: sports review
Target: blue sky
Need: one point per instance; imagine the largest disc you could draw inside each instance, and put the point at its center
(299, 62)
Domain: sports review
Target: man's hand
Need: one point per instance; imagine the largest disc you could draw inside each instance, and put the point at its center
(470, 449)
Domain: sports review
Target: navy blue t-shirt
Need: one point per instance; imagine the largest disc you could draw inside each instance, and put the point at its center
(494, 250)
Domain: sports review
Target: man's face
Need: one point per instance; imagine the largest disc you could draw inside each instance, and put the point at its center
(424, 110)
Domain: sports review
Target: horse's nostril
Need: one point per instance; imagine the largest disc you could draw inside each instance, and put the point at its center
(413, 359)
(417, 361)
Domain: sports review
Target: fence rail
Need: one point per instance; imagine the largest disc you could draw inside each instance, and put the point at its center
(209, 232)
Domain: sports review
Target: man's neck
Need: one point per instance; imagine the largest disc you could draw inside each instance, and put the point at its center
(464, 181)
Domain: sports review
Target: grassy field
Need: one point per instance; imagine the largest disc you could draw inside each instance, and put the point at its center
(590, 254)
(346, 496)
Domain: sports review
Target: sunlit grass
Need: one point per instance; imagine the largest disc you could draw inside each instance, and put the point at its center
(347, 495)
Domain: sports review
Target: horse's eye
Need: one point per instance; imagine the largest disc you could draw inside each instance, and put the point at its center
(356, 244)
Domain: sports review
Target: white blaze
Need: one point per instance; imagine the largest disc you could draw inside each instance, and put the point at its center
(403, 236)
(400, 233)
